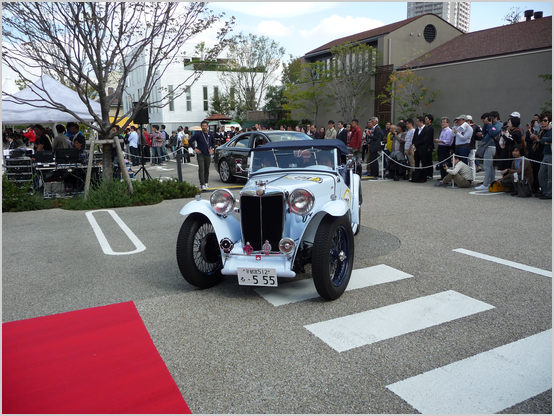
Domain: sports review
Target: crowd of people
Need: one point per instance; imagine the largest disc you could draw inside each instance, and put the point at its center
(407, 150)
(40, 138)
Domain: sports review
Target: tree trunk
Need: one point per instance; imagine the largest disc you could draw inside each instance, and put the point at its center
(107, 163)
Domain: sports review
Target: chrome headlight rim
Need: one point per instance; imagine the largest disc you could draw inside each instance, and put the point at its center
(301, 201)
(222, 201)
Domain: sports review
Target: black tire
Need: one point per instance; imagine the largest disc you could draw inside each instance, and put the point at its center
(198, 253)
(333, 257)
(225, 172)
(356, 228)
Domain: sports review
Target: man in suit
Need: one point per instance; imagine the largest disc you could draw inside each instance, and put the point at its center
(423, 142)
(342, 134)
(374, 138)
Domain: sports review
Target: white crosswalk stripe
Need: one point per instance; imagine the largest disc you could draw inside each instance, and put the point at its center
(485, 383)
(304, 289)
(352, 331)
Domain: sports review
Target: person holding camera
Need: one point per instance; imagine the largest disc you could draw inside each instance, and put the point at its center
(545, 171)
(534, 150)
(492, 130)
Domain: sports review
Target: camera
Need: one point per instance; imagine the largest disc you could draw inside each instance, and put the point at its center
(490, 119)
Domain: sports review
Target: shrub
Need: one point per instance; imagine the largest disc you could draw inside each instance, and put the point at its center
(102, 196)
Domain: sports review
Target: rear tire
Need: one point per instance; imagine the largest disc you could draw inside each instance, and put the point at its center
(332, 257)
(225, 172)
(198, 253)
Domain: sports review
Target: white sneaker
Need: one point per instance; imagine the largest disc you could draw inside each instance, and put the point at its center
(203, 187)
(207, 186)
(482, 188)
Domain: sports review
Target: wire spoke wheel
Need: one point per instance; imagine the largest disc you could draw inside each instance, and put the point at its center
(332, 257)
(198, 253)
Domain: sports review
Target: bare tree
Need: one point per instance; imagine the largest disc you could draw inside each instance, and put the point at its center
(254, 63)
(513, 16)
(352, 69)
(83, 43)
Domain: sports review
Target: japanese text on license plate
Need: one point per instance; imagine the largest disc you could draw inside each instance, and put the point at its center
(251, 276)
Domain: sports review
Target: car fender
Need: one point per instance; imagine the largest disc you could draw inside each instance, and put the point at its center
(336, 208)
(355, 198)
(224, 226)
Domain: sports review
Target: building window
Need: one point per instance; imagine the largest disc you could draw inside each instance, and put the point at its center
(206, 103)
(232, 94)
(216, 93)
(171, 102)
(429, 33)
(189, 99)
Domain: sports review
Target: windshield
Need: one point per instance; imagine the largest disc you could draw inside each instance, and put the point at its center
(293, 159)
(282, 136)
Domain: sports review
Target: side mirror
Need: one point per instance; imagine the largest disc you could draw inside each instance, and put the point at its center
(350, 161)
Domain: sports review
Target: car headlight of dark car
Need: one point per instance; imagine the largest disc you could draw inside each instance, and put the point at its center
(222, 201)
(301, 201)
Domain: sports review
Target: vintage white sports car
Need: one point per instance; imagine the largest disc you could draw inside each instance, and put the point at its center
(301, 205)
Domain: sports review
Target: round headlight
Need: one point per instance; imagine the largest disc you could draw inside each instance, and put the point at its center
(222, 201)
(301, 201)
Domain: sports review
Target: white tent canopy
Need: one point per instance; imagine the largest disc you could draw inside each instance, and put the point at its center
(9, 86)
(32, 104)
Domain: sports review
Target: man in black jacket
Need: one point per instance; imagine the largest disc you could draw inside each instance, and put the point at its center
(342, 134)
(375, 137)
(423, 142)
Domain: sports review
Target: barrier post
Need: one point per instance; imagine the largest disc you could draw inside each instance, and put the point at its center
(382, 165)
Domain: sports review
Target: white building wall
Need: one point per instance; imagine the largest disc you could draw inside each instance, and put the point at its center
(174, 75)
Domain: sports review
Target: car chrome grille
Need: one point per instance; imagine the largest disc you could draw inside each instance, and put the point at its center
(262, 219)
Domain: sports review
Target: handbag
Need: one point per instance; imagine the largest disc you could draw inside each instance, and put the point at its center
(480, 152)
(496, 186)
(524, 189)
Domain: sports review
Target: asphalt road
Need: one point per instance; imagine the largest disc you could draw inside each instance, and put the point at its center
(230, 350)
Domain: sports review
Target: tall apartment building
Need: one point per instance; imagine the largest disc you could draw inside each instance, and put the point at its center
(455, 13)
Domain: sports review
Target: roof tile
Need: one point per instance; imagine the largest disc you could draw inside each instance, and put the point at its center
(519, 37)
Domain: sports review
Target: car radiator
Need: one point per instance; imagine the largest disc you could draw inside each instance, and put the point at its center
(262, 218)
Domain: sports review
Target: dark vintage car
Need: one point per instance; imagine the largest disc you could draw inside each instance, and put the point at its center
(232, 159)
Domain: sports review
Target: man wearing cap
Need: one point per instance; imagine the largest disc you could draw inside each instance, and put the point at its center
(462, 133)
(477, 135)
(444, 144)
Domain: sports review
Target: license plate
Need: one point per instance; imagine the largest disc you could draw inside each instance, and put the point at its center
(250, 276)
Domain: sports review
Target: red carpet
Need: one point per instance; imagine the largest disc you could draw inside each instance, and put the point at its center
(98, 360)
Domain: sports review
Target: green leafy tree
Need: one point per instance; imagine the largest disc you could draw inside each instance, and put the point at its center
(408, 93)
(253, 66)
(292, 71)
(309, 95)
(351, 73)
(275, 100)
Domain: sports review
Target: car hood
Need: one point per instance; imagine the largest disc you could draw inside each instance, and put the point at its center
(316, 182)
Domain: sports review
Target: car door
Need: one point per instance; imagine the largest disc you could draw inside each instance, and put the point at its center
(238, 155)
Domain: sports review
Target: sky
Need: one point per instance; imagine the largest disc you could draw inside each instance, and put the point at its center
(300, 27)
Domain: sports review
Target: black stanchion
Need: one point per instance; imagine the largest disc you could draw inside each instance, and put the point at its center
(142, 168)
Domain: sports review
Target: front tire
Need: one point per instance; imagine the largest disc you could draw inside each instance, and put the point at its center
(225, 172)
(198, 253)
(333, 257)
